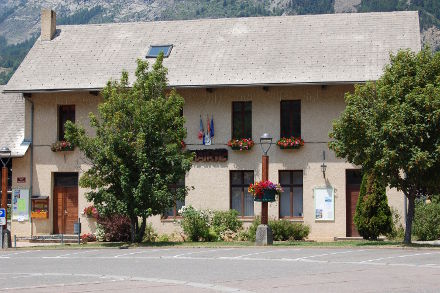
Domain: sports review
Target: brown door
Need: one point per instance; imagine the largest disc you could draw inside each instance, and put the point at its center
(353, 180)
(352, 198)
(65, 204)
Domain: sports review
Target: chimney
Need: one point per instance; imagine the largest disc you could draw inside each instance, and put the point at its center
(48, 24)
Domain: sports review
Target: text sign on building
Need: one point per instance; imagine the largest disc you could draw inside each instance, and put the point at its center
(21, 179)
(211, 155)
(324, 203)
(2, 217)
(20, 204)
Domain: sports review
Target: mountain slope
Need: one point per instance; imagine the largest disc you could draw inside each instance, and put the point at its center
(19, 19)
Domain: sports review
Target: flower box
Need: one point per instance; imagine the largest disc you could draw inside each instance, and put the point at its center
(244, 144)
(290, 143)
(40, 215)
(267, 196)
(62, 146)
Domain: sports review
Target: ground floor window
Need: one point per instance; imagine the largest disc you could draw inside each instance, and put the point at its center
(241, 199)
(174, 211)
(291, 199)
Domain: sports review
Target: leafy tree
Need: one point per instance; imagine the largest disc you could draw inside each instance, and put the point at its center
(373, 215)
(137, 152)
(392, 127)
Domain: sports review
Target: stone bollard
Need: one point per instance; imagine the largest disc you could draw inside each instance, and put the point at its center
(7, 241)
(263, 236)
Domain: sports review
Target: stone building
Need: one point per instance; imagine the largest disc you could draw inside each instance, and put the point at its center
(286, 76)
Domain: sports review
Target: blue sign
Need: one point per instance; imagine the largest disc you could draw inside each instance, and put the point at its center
(2, 217)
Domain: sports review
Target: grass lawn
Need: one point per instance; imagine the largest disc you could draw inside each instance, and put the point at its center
(309, 244)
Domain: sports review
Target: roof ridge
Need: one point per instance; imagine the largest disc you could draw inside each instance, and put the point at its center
(240, 18)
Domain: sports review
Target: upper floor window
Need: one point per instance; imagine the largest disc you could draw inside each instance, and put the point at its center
(241, 120)
(290, 118)
(65, 113)
(241, 199)
(291, 199)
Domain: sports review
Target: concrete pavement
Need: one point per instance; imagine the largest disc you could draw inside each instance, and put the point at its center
(250, 269)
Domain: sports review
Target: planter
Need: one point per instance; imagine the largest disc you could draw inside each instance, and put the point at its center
(292, 143)
(62, 146)
(267, 196)
(289, 147)
(39, 215)
(244, 144)
(236, 148)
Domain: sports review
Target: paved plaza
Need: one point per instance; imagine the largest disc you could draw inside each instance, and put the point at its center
(250, 269)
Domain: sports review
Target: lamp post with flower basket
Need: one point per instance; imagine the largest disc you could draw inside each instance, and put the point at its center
(264, 192)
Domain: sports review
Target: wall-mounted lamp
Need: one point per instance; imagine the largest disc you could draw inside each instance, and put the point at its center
(323, 166)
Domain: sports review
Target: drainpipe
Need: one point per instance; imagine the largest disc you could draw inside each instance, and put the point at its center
(31, 168)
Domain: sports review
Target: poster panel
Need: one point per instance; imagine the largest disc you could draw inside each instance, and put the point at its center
(20, 204)
(324, 203)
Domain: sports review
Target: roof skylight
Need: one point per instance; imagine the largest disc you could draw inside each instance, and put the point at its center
(155, 50)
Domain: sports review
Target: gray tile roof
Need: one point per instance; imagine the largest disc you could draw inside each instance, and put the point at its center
(220, 52)
(12, 108)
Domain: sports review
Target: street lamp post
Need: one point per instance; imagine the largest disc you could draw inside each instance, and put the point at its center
(5, 153)
(264, 234)
(5, 156)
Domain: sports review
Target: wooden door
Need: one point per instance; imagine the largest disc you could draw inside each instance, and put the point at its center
(65, 209)
(352, 198)
(353, 180)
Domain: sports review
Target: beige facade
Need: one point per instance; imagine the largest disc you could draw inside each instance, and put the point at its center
(320, 105)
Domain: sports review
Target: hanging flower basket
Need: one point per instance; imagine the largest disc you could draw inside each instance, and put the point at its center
(244, 144)
(265, 191)
(91, 212)
(62, 146)
(290, 143)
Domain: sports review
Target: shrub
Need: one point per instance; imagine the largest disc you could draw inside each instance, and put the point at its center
(285, 230)
(116, 228)
(427, 220)
(224, 221)
(300, 231)
(163, 238)
(150, 235)
(100, 233)
(195, 224)
(373, 215)
(250, 233)
(397, 230)
(282, 230)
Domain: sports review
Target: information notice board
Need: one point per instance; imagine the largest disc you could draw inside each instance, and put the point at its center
(20, 204)
(324, 203)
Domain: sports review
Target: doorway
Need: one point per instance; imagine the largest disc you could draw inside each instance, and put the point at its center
(353, 179)
(65, 202)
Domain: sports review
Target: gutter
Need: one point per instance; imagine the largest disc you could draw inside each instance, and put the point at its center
(180, 86)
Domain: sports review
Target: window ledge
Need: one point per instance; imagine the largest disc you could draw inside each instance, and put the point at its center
(293, 219)
(170, 219)
(246, 219)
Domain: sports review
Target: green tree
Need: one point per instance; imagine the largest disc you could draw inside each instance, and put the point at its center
(373, 215)
(137, 152)
(392, 126)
